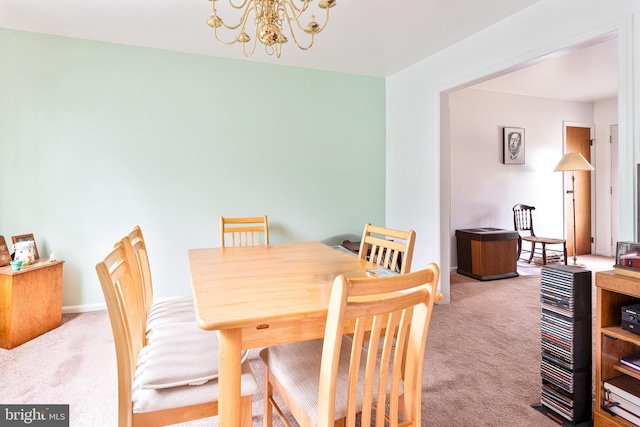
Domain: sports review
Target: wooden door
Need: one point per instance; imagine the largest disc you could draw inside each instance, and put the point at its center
(579, 141)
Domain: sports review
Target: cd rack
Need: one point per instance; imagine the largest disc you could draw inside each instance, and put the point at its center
(565, 330)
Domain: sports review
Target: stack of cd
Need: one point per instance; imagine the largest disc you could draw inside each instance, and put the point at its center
(563, 370)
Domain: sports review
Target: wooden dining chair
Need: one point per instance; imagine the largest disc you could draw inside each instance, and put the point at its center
(523, 222)
(329, 380)
(169, 310)
(387, 247)
(244, 231)
(161, 382)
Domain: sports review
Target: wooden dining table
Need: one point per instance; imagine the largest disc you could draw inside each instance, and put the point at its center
(257, 296)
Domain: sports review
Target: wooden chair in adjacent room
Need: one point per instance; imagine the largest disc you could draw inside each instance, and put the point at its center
(387, 247)
(244, 231)
(333, 379)
(523, 222)
(169, 380)
(169, 310)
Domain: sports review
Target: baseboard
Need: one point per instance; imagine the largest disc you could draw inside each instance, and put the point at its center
(83, 308)
(601, 253)
(70, 309)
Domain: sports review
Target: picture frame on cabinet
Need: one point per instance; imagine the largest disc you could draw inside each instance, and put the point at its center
(26, 238)
(627, 259)
(513, 146)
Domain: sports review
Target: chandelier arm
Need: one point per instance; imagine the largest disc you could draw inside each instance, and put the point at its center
(222, 42)
(326, 21)
(253, 47)
(243, 18)
(297, 21)
(244, 51)
(240, 6)
(297, 13)
(243, 22)
(295, 40)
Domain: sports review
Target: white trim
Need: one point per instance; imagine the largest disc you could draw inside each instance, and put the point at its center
(628, 229)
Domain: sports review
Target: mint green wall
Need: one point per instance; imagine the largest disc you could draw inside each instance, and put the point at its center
(98, 137)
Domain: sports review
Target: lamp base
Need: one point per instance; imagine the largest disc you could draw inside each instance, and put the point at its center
(575, 263)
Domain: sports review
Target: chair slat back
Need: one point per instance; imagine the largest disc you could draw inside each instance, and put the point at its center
(396, 310)
(245, 231)
(388, 247)
(523, 218)
(134, 241)
(123, 296)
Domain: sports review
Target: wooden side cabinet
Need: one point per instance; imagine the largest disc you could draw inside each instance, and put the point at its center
(612, 341)
(30, 302)
(487, 253)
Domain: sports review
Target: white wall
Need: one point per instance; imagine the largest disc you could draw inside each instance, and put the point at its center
(483, 188)
(416, 153)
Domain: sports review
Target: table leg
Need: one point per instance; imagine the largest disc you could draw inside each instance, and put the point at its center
(230, 371)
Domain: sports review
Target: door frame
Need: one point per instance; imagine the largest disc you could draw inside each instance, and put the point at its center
(592, 134)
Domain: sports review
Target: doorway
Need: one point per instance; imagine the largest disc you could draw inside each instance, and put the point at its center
(578, 140)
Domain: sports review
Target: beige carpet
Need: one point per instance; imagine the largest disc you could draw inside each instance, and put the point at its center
(482, 362)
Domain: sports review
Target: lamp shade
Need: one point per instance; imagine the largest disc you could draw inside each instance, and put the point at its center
(573, 162)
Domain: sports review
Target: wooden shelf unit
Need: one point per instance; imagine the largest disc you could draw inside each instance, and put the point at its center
(30, 302)
(612, 342)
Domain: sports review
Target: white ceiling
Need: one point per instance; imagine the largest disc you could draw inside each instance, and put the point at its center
(585, 73)
(374, 37)
(367, 37)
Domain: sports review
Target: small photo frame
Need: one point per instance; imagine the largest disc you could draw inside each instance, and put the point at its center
(26, 238)
(513, 146)
(628, 255)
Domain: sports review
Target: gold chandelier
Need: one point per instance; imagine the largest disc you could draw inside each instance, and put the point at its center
(271, 18)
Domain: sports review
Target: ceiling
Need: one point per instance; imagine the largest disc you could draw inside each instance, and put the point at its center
(367, 37)
(585, 73)
(377, 41)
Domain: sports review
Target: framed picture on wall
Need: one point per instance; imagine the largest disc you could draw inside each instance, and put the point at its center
(513, 146)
